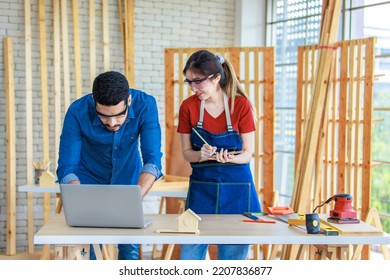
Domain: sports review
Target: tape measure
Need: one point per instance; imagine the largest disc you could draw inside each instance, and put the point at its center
(325, 229)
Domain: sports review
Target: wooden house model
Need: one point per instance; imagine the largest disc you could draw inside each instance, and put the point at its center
(47, 179)
(188, 222)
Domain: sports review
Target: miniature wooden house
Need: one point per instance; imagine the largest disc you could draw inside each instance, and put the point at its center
(47, 179)
(188, 222)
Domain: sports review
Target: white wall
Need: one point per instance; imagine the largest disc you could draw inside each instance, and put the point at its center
(250, 23)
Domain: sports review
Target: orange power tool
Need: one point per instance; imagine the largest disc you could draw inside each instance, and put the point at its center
(343, 212)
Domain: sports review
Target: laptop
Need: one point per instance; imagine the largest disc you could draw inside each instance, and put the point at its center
(113, 206)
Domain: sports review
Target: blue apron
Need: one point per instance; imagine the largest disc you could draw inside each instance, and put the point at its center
(220, 188)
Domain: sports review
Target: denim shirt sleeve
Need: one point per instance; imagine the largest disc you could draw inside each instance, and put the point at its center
(69, 151)
(150, 141)
(152, 169)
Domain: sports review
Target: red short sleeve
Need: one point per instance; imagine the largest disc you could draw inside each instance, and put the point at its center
(242, 117)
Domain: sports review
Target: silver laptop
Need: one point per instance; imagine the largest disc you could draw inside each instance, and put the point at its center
(116, 206)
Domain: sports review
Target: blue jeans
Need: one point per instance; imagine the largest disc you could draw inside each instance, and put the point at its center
(125, 252)
(225, 252)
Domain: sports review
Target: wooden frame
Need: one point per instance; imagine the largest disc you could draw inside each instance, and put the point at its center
(346, 163)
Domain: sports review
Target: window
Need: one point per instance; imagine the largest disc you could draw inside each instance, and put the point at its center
(293, 23)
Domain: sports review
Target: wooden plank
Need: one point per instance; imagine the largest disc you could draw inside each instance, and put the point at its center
(57, 78)
(92, 42)
(351, 117)
(106, 36)
(44, 80)
(9, 68)
(29, 127)
(169, 105)
(306, 157)
(367, 130)
(122, 29)
(304, 172)
(258, 119)
(44, 99)
(301, 89)
(268, 127)
(359, 107)
(76, 49)
(65, 54)
(180, 74)
(352, 229)
(129, 37)
(319, 170)
(246, 71)
(333, 166)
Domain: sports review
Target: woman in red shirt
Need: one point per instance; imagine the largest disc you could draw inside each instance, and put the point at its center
(217, 127)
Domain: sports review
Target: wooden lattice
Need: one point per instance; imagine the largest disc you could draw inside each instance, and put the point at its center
(345, 163)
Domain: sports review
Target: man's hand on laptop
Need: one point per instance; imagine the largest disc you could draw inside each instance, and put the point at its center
(74, 182)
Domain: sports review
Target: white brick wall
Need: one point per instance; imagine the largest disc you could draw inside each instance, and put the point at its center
(159, 24)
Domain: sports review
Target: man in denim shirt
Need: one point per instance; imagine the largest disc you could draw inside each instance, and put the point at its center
(111, 136)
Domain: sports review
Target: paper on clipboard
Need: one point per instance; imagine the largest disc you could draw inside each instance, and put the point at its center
(214, 157)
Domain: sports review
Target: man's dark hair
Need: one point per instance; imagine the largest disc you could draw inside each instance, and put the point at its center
(110, 88)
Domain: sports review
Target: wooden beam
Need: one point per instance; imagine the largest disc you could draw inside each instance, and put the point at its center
(57, 77)
(367, 131)
(122, 28)
(44, 98)
(65, 54)
(76, 48)
(9, 68)
(92, 42)
(129, 37)
(303, 178)
(106, 36)
(268, 126)
(303, 181)
(169, 106)
(44, 79)
(29, 127)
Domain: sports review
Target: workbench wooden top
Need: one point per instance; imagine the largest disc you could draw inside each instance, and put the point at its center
(214, 229)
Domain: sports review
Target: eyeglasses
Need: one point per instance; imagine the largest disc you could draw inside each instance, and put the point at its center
(197, 81)
(116, 116)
